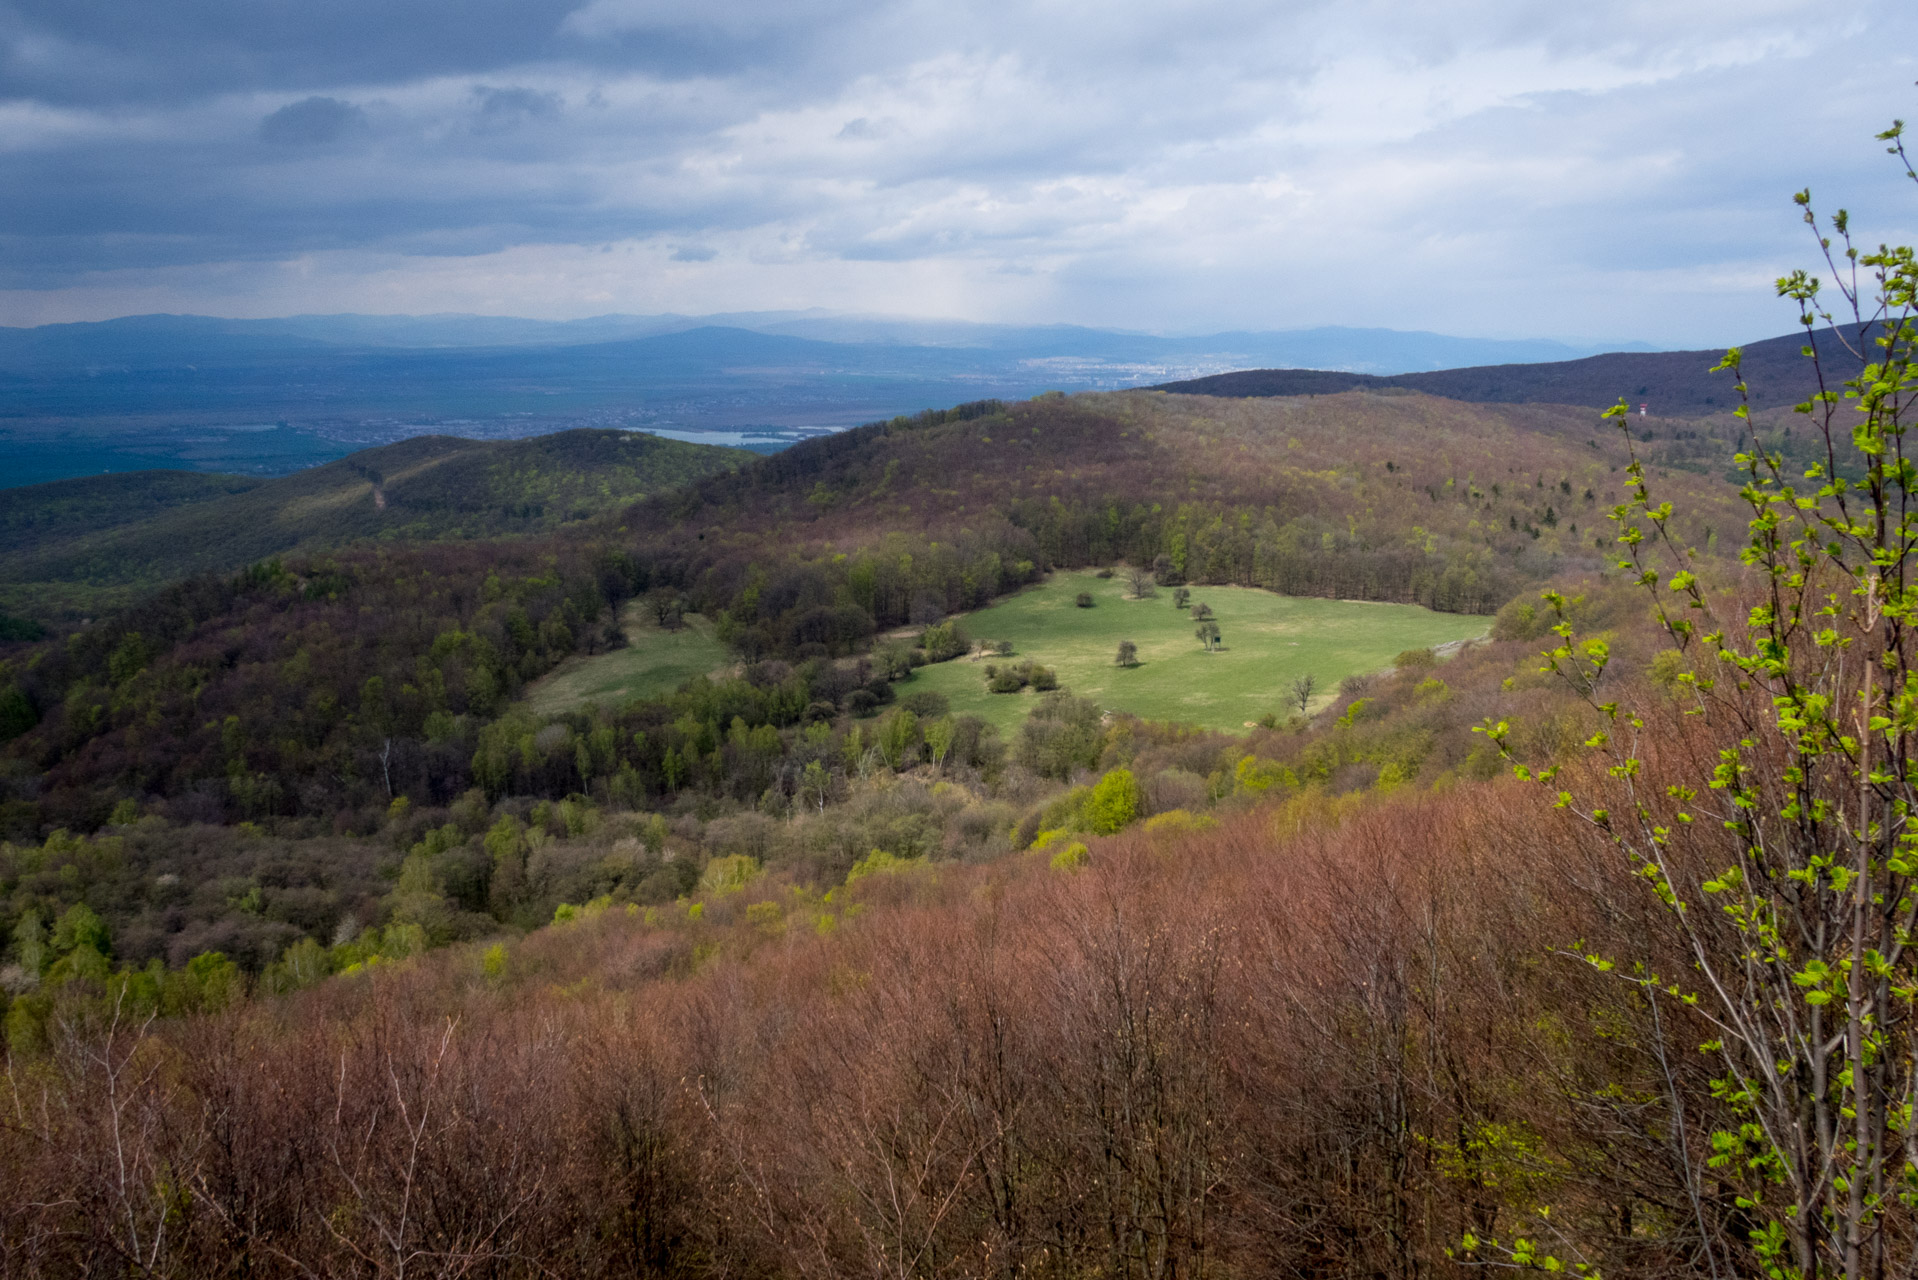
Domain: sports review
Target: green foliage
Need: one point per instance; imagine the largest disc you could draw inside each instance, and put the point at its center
(1114, 803)
(1178, 822)
(1016, 676)
(1063, 733)
(30, 942)
(303, 965)
(728, 874)
(879, 862)
(1071, 858)
(493, 963)
(944, 641)
(81, 927)
(1256, 775)
(898, 737)
(1805, 708)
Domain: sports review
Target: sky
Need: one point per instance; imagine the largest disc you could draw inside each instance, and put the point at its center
(1490, 168)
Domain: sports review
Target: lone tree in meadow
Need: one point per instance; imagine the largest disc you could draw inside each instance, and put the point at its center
(1128, 654)
(1208, 634)
(1140, 580)
(1181, 597)
(667, 608)
(1201, 611)
(1302, 691)
(1085, 600)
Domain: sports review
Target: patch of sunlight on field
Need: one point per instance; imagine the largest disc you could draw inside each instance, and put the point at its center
(653, 662)
(1269, 641)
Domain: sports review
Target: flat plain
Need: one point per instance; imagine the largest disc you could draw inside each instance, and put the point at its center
(1269, 641)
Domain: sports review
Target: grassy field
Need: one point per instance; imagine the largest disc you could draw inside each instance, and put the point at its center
(653, 662)
(1270, 640)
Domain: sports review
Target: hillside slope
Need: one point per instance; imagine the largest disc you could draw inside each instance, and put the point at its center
(321, 689)
(74, 547)
(1672, 383)
(1399, 497)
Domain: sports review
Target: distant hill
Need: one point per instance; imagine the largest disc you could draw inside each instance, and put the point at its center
(73, 547)
(268, 397)
(158, 340)
(1672, 383)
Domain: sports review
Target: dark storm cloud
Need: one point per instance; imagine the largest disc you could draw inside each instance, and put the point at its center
(87, 52)
(1477, 165)
(313, 120)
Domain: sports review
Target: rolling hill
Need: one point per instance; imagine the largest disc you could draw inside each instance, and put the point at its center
(1672, 383)
(74, 547)
(799, 560)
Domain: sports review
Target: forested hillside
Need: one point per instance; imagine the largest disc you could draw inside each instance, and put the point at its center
(79, 547)
(800, 933)
(308, 689)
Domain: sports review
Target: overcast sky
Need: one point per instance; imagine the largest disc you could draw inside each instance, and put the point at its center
(1498, 168)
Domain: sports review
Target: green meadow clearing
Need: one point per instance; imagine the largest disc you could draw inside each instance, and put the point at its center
(654, 662)
(1270, 640)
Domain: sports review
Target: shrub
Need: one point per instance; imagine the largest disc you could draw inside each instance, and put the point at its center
(1254, 774)
(1128, 655)
(1415, 658)
(1084, 600)
(879, 862)
(728, 875)
(944, 642)
(1178, 821)
(1070, 858)
(927, 704)
(1114, 803)
(1014, 678)
(1061, 734)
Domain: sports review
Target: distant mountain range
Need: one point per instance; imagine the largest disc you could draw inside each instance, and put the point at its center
(1667, 383)
(157, 341)
(265, 397)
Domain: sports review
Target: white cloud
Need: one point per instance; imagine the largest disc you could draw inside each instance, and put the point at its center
(1477, 166)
